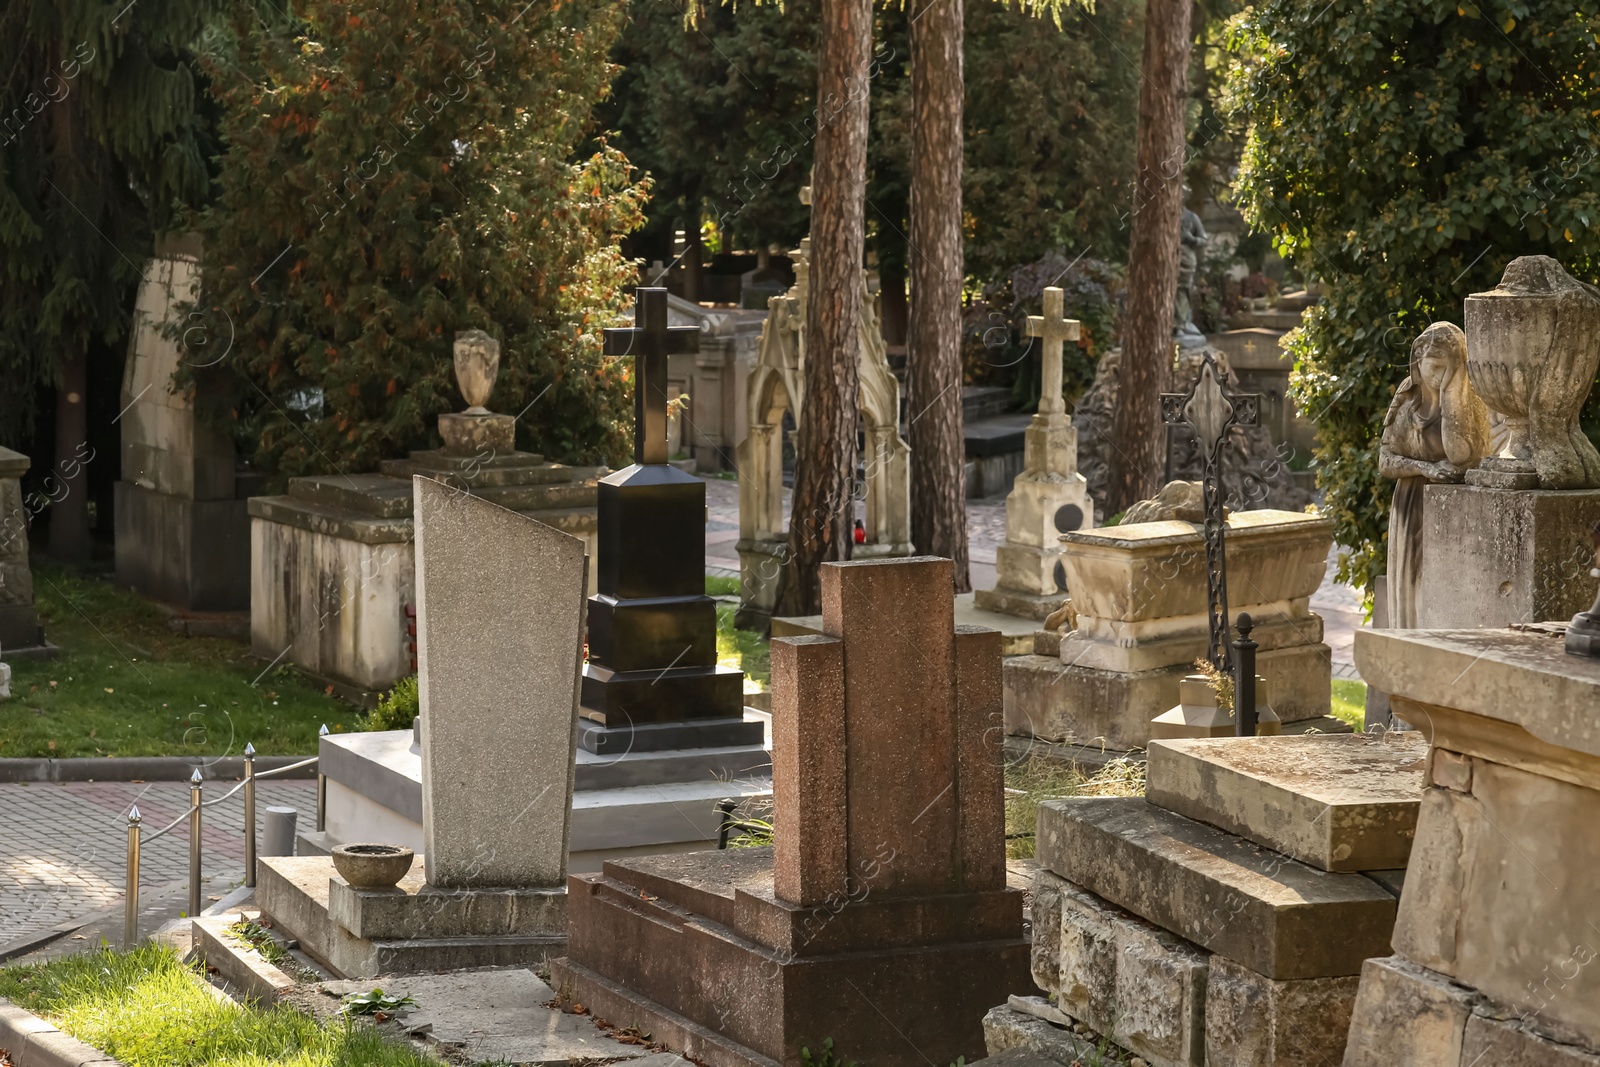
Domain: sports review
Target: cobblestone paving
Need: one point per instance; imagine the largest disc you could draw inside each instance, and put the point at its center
(63, 848)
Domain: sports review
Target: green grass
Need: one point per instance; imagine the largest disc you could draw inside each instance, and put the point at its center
(1037, 778)
(717, 586)
(1350, 702)
(146, 1009)
(743, 650)
(127, 685)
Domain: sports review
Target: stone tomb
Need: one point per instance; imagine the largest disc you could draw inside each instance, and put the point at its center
(500, 641)
(1139, 592)
(1224, 919)
(1495, 946)
(19, 620)
(881, 917)
(1049, 498)
(333, 565)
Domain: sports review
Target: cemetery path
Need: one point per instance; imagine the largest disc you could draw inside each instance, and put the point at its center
(63, 847)
(1338, 604)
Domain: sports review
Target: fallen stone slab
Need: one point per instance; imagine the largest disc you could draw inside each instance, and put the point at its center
(1257, 907)
(1339, 802)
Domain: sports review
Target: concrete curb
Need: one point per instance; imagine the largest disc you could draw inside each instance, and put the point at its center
(33, 1042)
(141, 768)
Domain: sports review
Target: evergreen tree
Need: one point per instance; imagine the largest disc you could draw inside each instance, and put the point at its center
(399, 171)
(101, 139)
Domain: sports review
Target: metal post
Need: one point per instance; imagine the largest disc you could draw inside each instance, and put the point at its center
(196, 795)
(726, 807)
(322, 784)
(1244, 679)
(250, 815)
(130, 914)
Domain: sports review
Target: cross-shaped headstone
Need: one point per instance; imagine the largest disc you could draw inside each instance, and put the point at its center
(1210, 411)
(1053, 327)
(650, 341)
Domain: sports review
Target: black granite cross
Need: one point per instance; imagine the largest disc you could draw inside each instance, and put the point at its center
(1210, 411)
(650, 341)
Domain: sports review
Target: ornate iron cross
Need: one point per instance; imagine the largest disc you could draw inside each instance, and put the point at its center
(650, 341)
(1210, 411)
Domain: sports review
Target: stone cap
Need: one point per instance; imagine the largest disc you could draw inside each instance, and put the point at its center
(13, 464)
(1513, 676)
(1169, 533)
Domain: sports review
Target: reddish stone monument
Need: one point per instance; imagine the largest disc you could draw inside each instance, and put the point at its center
(881, 917)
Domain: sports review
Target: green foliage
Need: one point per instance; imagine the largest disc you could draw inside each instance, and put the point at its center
(718, 586)
(127, 685)
(1403, 153)
(824, 1057)
(146, 1009)
(396, 173)
(752, 833)
(1349, 703)
(397, 708)
(743, 650)
(375, 1002)
(101, 138)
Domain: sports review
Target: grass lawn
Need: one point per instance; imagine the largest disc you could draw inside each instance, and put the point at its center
(1035, 778)
(146, 1009)
(1350, 703)
(126, 685)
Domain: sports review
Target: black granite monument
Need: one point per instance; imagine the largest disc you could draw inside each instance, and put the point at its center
(652, 680)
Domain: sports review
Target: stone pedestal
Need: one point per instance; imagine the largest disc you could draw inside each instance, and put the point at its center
(1496, 557)
(19, 621)
(1140, 596)
(886, 885)
(1188, 939)
(182, 531)
(1494, 943)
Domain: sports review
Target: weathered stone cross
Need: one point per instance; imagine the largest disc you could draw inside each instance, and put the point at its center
(650, 341)
(1053, 327)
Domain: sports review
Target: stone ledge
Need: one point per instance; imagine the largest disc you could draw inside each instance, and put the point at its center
(34, 1042)
(414, 910)
(237, 963)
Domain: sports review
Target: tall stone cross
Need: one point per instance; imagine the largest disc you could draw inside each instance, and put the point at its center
(650, 341)
(1053, 327)
(1211, 411)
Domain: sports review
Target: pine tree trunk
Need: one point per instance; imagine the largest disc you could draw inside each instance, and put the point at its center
(69, 515)
(933, 341)
(825, 450)
(1137, 432)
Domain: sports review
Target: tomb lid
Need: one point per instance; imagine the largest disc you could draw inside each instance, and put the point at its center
(1264, 522)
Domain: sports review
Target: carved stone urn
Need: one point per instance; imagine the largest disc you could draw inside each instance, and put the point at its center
(1532, 348)
(477, 367)
(477, 432)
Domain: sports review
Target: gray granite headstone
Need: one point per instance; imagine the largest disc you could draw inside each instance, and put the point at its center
(500, 611)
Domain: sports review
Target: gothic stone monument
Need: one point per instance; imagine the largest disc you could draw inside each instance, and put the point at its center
(1049, 498)
(499, 644)
(887, 883)
(1494, 949)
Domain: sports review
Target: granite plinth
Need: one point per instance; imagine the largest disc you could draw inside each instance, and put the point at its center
(1337, 802)
(649, 633)
(1273, 914)
(668, 736)
(652, 533)
(619, 699)
(648, 933)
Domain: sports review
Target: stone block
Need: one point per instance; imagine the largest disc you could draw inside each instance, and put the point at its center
(191, 553)
(1008, 1030)
(1273, 914)
(1056, 701)
(1114, 645)
(1132, 981)
(1045, 918)
(1450, 770)
(1493, 558)
(1255, 1021)
(811, 855)
(1490, 1040)
(500, 606)
(1337, 802)
(1501, 894)
(236, 962)
(1405, 1014)
(414, 909)
(466, 434)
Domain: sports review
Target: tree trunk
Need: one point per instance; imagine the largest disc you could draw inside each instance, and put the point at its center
(825, 451)
(933, 341)
(1137, 433)
(694, 251)
(68, 485)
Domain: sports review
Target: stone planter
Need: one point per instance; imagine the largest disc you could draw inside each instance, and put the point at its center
(372, 866)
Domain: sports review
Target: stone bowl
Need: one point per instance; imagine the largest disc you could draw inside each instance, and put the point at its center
(372, 866)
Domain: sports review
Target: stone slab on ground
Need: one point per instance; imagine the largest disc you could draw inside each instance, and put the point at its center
(497, 1016)
(1337, 802)
(1255, 1021)
(1006, 1029)
(1260, 908)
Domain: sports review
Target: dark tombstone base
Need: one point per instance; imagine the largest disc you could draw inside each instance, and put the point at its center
(875, 974)
(669, 736)
(621, 699)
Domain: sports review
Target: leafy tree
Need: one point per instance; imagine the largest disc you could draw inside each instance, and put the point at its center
(1403, 153)
(400, 171)
(101, 138)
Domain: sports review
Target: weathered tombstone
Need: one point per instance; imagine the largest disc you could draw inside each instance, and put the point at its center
(886, 885)
(19, 621)
(1495, 945)
(182, 528)
(1223, 918)
(500, 641)
(1506, 547)
(1049, 498)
